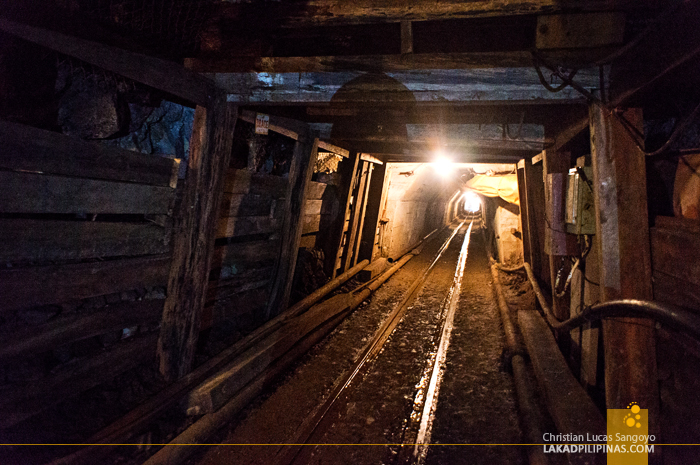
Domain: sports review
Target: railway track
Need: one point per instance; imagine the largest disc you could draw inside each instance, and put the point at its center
(391, 402)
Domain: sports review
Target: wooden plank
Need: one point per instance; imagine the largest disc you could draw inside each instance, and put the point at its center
(279, 124)
(580, 30)
(676, 253)
(247, 225)
(332, 12)
(406, 37)
(37, 240)
(213, 393)
(236, 205)
(371, 159)
(313, 207)
(308, 242)
(71, 379)
(328, 147)
(300, 172)
(363, 212)
(316, 190)
(25, 148)
(246, 182)
(524, 215)
(43, 285)
(311, 224)
(379, 63)
(37, 193)
(255, 251)
(479, 86)
(569, 405)
(676, 291)
(159, 74)
(677, 223)
(69, 328)
(357, 210)
(622, 232)
(193, 242)
(348, 184)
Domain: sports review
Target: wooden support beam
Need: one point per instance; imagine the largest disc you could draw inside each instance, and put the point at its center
(406, 37)
(300, 172)
(477, 86)
(328, 147)
(524, 212)
(622, 232)
(30, 149)
(363, 212)
(193, 241)
(371, 159)
(43, 285)
(358, 204)
(374, 199)
(348, 174)
(332, 12)
(558, 244)
(279, 124)
(159, 74)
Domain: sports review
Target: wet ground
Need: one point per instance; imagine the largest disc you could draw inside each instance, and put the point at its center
(381, 410)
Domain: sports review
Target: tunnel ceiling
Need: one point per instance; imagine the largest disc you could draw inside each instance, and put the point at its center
(396, 79)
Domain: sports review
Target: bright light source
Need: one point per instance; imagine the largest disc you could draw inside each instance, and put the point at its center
(472, 202)
(443, 166)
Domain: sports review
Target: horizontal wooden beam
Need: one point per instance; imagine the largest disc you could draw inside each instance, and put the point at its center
(371, 159)
(37, 193)
(30, 149)
(328, 147)
(285, 126)
(332, 12)
(71, 379)
(385, 63)
(43, 285)
(43, 241)
(64, 329)
(160, 74)
(418, 87)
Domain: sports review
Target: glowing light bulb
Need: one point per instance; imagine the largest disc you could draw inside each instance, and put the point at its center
(443, 166)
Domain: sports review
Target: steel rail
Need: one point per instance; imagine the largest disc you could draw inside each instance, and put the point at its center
(317, 424)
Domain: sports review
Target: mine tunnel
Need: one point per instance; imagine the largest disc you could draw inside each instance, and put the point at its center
(310, 231)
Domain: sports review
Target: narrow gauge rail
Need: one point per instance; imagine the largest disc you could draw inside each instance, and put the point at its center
(417, 429)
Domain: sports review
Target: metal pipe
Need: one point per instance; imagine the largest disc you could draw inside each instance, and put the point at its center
(512, 344)
(674, 317)
(533, 424)
(321, 292)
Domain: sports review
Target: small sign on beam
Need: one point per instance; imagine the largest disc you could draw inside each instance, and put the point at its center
(262, 123)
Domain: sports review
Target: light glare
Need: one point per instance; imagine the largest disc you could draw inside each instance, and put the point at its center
(472, 202)
(443, 166)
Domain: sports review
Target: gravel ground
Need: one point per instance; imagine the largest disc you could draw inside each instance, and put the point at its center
(476, 403)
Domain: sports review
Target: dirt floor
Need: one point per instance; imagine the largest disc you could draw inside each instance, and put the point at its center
(475, 405)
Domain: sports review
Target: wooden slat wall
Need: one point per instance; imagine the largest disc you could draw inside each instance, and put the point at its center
(248, 244)
(675, 256)
(77, 232)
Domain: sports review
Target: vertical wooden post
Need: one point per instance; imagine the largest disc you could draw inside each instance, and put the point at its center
(193, 241)
(557, 243)
(357, 209)
(363, 213)
(622, 232)
(374, 201)
(536, 222)
(524, 216)
(300, 172)
(348, 183)
(406, 37)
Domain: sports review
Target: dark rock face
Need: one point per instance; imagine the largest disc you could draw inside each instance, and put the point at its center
(88, 110)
